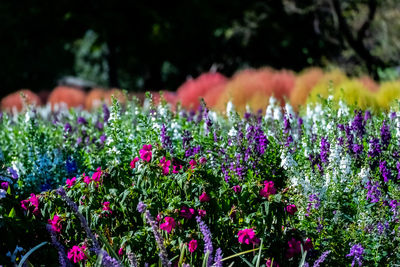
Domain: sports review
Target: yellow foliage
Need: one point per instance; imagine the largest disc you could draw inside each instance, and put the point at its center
(388, 93)
(354, 92)
(328, 81)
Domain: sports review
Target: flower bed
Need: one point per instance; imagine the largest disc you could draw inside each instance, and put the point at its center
(144, 185)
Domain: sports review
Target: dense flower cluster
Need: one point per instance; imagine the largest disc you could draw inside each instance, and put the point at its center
(285, 186)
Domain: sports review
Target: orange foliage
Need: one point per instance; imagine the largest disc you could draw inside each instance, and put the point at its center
(212, 96)
(256, 86)
(191, 90)
(14, 100)
(95, 98)
(72, 97)
(117, 93)
(369, 83)
(305, 82)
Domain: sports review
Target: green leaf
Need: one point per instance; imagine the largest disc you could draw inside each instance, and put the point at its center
(205, 259)
(12, 213)
(109, 248)
(259, 254)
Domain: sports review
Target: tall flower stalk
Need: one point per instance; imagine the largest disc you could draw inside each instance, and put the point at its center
(142, 208)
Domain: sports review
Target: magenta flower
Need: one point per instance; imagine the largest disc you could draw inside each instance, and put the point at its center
(248, 236)
(71, 182)
(291, 209)
(237, 188)
(133, 162)
(192, 245)
(34, 201)
(176, 169)
(201, 213)
(4, 185)
(77, 253)
(308, 244)
(106, 207)
(145, 153)
(186, 212)
(120, 251)
(25, 204)
(168, 225)
(204, 197)
(55, 223)
(165, 165)
(268, 189)
(193, 164)
(97, 175)
(203, 160)
(86, 178)
(294, 248)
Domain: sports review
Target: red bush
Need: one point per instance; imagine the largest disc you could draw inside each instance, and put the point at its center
(72, 97)
(95, 98)
(14, 100)
(193, 89)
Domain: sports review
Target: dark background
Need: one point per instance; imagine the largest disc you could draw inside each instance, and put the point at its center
(152, 45)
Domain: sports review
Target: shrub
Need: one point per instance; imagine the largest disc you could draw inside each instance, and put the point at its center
(328, 82)
(192, 90)
(305, 82)
(388, 92)
(247, 83)
(71, 97)
(15, 100)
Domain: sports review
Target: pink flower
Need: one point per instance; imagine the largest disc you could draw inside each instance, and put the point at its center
(77, 253)
(168, 225)
(24, 204)
(291, 209)
(97, 175)
(165, 165)
(203, 160)
(133, 162)
(120, 251)
(186, 212)
(86, 179)
(193, 164)
(192, 245)
(34, 201)
(55, 223)
(201, 213)
(268, 189)
(308, 244)
(237, 188)
(106, 207)
(248, 236)
(71, 182)
(176, 169)
(145, 153)
(294, 248)
(204, 197)
(4, 185)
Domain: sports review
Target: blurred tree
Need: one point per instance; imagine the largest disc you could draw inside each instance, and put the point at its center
(367, 31)
(143, 45)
